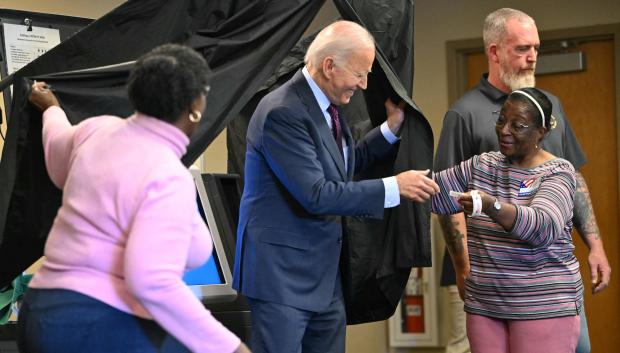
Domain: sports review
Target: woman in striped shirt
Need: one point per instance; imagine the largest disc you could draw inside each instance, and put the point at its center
(523, 292)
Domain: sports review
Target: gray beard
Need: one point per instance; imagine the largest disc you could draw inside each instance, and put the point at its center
(516, 81)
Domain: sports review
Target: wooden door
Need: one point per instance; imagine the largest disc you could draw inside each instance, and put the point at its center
(588, 98)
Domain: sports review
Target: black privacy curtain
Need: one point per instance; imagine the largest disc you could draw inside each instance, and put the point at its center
(251, 48)
(379, 254)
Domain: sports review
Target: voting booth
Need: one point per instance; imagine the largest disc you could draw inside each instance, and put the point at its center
(219, 197)
(24, 36)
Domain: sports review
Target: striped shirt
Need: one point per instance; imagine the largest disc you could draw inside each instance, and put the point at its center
(529, 272)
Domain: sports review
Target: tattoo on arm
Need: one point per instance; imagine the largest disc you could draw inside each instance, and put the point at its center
(583, 213)
(453, 236)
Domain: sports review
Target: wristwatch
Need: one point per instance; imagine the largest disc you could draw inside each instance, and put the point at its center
(497, 205)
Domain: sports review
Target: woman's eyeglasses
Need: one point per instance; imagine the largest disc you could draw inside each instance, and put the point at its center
(514, 127)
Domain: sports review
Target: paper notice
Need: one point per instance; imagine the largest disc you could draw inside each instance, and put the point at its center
(23, 46)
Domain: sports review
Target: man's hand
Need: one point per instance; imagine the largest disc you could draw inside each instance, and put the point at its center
(414, 185)
(42, 97)
(600, 271)
(395, 115)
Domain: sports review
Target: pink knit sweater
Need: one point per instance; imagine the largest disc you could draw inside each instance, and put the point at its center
(129, 225)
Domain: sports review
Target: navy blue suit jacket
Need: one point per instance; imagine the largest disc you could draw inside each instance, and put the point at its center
(296, 191)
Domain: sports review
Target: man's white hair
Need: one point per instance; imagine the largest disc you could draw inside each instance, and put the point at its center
(339, 40)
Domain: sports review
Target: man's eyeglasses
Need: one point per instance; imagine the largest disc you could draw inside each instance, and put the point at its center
(514, 127)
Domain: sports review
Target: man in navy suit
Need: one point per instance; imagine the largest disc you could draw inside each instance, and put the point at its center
(298, 185)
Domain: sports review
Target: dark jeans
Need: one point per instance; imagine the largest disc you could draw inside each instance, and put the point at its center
(63, 321)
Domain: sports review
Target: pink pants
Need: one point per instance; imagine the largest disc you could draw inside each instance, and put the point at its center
(489, 335)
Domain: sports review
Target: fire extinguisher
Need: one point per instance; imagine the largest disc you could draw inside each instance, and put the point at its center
(414, 303)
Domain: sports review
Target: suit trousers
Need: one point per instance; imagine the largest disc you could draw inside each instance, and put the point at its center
(64, 321)
(279, 328)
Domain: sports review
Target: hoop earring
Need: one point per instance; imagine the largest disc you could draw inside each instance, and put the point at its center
(195, 116)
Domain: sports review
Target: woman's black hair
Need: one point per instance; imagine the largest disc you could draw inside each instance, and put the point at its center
(165, 81)
(540, 98)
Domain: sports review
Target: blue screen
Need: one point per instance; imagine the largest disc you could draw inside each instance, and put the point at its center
(210, 272)
(205, 274)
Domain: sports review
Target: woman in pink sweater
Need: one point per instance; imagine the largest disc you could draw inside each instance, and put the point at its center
(128, 227)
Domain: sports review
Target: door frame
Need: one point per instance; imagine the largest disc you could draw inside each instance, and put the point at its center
(457, 51)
